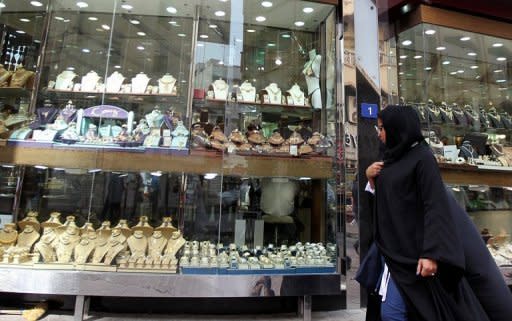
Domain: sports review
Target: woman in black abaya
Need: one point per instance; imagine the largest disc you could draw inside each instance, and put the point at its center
(416, 229)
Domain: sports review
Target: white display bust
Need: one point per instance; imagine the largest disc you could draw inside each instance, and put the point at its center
(274, 93)
(166, 84)
(248, 92)
(296, 96)
(155, 118)
(220, 89)
(64, 80)
(311, 72)
(89, 81)
(114, 82)
(140, 83)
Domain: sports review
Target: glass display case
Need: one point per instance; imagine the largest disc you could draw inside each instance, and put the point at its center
(172, 137)
(458, 81)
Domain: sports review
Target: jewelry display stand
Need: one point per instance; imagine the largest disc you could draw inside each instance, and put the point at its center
(140, 83)
(166, 84)
(114, 82)
(64, 80)
(296, 96)
(220, 89)
(90, 81)
(311, 72)
(247, 92)
(274, 94)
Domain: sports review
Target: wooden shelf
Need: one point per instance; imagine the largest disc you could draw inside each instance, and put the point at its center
(315, 167)
(467, 174)
(109, 96)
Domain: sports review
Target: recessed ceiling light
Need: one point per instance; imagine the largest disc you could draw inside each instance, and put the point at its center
(266, 4)
(203, 36)
(106, 27)
(220, 13)
(440, 48)
(2, 5)
(502, 88)
(401, 73)
(446, 62)
(181, 35)
(20, 32)
(472, 54)
(82, 4)
(498, 70)
(400, 63)
(406, 42)
(93, 18)
(418, 57)
(134, 22)
(460, 71)
(86, 50)
(212, 26)
(140, 47)
(497, 45)
(501, 58)
(308, 10)
(474, 67)
(221, 62)
(172, 22)
(171, 10)
(70, 68)
(140, 33)
(430, 32)
(127, 6)
(238, 40)
(285, 35)
(24, 20)
(251, 30)
(117, 67)
(403, 56)
(260, 18)
(36, 3)
(271, 44)
(453, 73)
(59, 18)
(299, 23)
(465, 38)
(223, 0)
(428, 68)
(501, 80)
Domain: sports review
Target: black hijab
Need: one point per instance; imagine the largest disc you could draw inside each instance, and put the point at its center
(403, 130)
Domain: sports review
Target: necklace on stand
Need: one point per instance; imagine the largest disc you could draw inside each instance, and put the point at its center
(274, 93)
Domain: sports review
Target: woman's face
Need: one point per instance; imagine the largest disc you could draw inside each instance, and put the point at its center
(381, 132)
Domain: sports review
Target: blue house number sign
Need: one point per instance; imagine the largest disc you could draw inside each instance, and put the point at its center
(369, 110)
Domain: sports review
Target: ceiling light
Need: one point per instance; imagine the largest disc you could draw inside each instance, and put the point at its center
(171, 10)
(501, 58)
(266, 4)
(59, 18)
(203, 36)
(140, 47)
(446, 62)
(70, 68)
(430, 32)
(440, 48)
(20, 32)
(221, 62)
(157, 173)
(2, 5)
(140, 33)
(498, 70)
(400, 63)
(172, 22)
(181, 35)
(403, 56)
(428, 68)
(418, 57)
(127, 6)
(285, 35)
(200, 45)
(134, 22)
(497, 45)
(93, 18)
(271, 44)
(401, 73)
(465, 38)
(501, 80)
(502, 88)
(40, 167)
(406, 42)
(278, 61)
(260, 18)
(251, 30)
(220, 13)
(106, 27)
(36, 3)
(24, 20)
(117, 67)
(460, 71)
(474, 67)
(212, 26)
(472, 54)
(81, 4)
(308, 10)
(66, 20)
(299, 23)
(453, 73)
(86, 50)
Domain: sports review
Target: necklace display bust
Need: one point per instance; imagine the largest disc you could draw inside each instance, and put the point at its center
(64, 80)
(166, 228)
(5, 76)
(116, 244)
(140, 83)
(166, 84)
(123, 226)
(274, 93)
(157, 244)
(21, 77)
(447, 113)
(84, 248)
(143, 226)
(114, 82)
(8, 236)
(175, 243)
(248, 92)
(89, 81)
(66, 244)
(30, 219)
(138, 244)
(296, 96)
(45, 246)
(18, 118)
(155, 118)
(220, 89)
(68, 113)
(53, 221)
(434, 114)
(311, 72)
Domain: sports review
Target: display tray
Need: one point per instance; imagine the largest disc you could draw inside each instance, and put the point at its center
(107, 93)
(258, 103)
(29, 143)
(168, 150)
(218, 153)
(266, 271)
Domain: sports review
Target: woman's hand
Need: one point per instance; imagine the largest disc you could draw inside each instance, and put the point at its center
(373, 171)
(426, 267)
